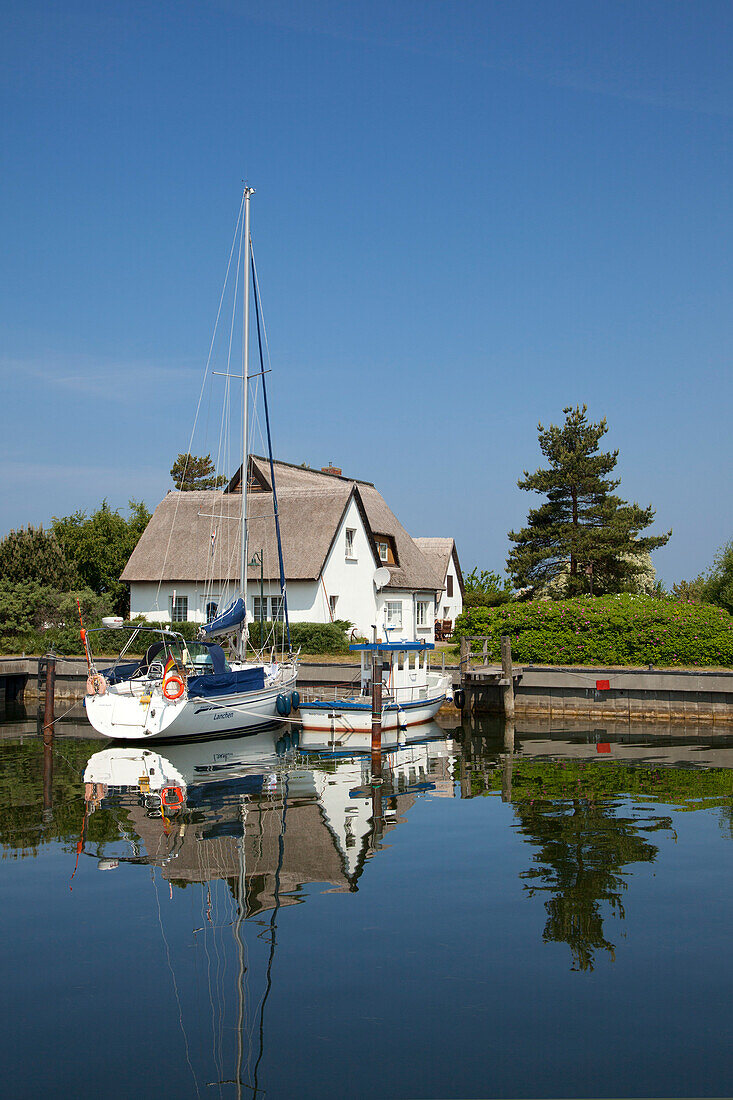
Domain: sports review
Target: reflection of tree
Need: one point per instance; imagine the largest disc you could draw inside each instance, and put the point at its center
(22, 826)
(584, 847)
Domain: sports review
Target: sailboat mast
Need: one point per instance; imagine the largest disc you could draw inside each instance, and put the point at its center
(248, 192)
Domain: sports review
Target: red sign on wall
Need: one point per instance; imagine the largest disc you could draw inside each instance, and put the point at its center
(603, 746)
(603, 685)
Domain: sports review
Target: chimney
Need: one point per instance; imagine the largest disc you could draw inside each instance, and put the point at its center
(331, 469)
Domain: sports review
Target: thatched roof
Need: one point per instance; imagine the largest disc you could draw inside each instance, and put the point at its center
(440, 551)
(177, 544)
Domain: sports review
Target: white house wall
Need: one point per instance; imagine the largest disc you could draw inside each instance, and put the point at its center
(410, 630)
(349, 579)
(450, 607)
(305, 600)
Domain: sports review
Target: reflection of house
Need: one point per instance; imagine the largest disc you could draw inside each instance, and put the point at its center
(277, 829)
(336, 533)
(205, 852)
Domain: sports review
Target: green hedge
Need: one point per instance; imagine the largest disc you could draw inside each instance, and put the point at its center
(686, 788)
(308, 637)
(615, 630)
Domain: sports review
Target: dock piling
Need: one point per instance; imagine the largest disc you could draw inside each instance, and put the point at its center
(507, 677)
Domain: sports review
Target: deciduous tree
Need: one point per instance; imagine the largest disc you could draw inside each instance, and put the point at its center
(33, 555)
(583, 529)
(99, 545)
(718, 587)
(484, 588)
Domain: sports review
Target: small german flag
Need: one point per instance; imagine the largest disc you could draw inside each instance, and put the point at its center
(170, 666)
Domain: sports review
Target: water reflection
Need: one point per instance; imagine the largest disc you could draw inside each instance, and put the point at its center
(584, 851)
(203, 811)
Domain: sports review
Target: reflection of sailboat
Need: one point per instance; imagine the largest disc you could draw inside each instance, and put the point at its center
(261, 824)
(329, 801)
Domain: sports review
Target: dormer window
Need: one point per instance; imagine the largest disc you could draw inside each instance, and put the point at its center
(386, 548)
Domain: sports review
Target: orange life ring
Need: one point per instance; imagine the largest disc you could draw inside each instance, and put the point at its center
(176, 802)
(176, 681)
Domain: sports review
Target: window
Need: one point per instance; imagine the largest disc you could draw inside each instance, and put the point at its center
(179, 609)
(383, 548)
(393, 613)
(449, 585)
(421, 613)
(211, 610)
(278, 613)
(350, 533)
(332, 601)
(259, 609)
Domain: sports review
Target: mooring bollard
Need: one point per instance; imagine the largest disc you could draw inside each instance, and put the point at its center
(507, 676)
(48, 723)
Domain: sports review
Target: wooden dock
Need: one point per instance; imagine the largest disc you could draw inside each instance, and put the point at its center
(480, 679)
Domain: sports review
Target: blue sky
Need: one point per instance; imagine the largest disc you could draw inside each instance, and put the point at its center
(468, 215)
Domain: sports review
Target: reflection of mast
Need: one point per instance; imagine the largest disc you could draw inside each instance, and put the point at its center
(273, 928)
(242, 901)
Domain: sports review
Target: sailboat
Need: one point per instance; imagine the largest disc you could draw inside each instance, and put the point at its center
(182, 688)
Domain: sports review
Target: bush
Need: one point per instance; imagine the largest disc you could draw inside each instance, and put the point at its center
(308, 637)
(614, 630)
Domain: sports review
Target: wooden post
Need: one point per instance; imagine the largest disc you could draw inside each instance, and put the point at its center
(507, 768)
(48, 721)
(507, 676)
(465, 651)
(463, 670)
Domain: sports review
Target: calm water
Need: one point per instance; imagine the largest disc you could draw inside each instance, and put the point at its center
(550, 921)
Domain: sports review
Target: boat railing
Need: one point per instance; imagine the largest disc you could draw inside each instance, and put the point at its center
(409, 693)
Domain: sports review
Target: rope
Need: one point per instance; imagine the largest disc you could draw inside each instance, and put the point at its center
(283, 592)
(201, 394)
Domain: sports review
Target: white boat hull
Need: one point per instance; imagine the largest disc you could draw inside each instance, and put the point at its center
(348, 724)
(125, 715)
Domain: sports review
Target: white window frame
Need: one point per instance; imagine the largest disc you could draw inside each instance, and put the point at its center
(422, 612)
(383, 548)
(332, 601)
(256, 608)
(278, 609)
(350, 552)
(393, 613)
(178, 601)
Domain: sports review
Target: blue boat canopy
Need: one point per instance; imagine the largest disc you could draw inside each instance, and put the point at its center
(391, 647)
(227, 621)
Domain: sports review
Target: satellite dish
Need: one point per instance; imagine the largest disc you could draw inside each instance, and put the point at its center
(381, 577)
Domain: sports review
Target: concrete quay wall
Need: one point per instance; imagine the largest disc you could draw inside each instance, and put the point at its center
(633, 694)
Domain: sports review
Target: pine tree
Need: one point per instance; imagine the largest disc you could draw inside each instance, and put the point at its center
(195, 472)
(583, 531)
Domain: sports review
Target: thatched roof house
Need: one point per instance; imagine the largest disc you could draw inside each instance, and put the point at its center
(336, 532)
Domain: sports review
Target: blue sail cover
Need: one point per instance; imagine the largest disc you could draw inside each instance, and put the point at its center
(228, 620)
(227, 683)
